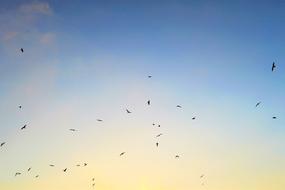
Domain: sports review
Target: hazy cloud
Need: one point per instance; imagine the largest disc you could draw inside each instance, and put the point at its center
(36, 7)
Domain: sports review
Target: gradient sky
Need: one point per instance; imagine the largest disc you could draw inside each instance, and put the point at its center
(86, 60)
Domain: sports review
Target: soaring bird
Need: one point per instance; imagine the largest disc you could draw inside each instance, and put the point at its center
(85, 164)
(258, 103)
(149, 76)
(157, 144)
(36, 176)
(29, 169)
(99, 120)
(128, 111)
(148, 102)
(158, 126)
(2, 144)
(18, 173)
(273, 67)
(122, 153)
(202, 176)
(65, 170)
(274, 117)
(93, 185)
(178, 106)
(153, 124)
(193, 118)
(159, 135)
(177, 156)
(24, 127)
(78, 165)
(22, 50)
(20, 107)
(73, 130)
(51, 165)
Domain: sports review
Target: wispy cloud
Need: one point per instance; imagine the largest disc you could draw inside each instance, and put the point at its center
(36, 8)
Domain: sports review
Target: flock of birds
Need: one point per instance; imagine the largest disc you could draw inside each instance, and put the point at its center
(273, 67)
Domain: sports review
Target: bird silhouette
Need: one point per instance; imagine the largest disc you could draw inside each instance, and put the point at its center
(177, 156)
(178, 106)
(19, 107)
(17, 173)
(93, 185)
(274, 117)
(85, 164)
(73, 130)
(65, 170)
(159, 135)
(158, 126)
(153, 124)
(24, 127)
(78, 165)
(122, 153)
(273, 67)
(149, 76)
(128, 111)
(99, 120)
(51, 165)
(93, 179)
(157, 144)
(29, 169)
(36, 176)
(148, 102)
(257, 104)
(22, 50)
(2, 144)
(193, 118)
(202, 176)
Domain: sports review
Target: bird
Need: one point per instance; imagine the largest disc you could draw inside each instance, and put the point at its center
(122, 153)
(148, 102)
(85, 164)
(73, 130)
(65, 170)
(149, 76)
(36, 176)
(99, 120)
(157, 144)
(22, 50)
(153, 124)
(93, 185)
(193, 118)
(93, 179)
(17, 173)
(158, 126)
(78, 165)
(177, 156)
(29, 169)
(20, 107)
(258, 103)
(274, 117)
(202, 176)
(24, 127)
(178, 106)
(159, 135)
(51, 165)
(128, 111)
(2, 144)
(273, 66)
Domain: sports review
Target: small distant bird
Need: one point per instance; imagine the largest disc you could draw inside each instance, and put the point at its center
(157, 144)
(36, 176)
(159, 135)
(72, 130)
(153, 124)
(29, 169)
(99, 120)
(85, 164)
(178, 106)
(19, 107)
(65, 170)
(193, 118)
(158, 126)
(2, 144)
(51, 165)
(18, 173)
(78, 165)
(202, 176)
(24, 127)
(274, 117)
(273, 67)
(177, 156)
(128, 111)
(22, 50)
(93, 179)
(122, 153)
(149, 76)
(93, 185)
(148, 102)
(258, 103)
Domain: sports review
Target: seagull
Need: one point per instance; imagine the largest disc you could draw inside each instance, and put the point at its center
(18, 173)
(159, 135)
(72, 130)
(65, 170)
(202, 176)
(122, 153)
(24, 127)
(29, 169)
(148, 102)
(273, 66)
(99, 120)
(193, 118)
(2, 144)
(85, 164)
(258, 103)
(157, 144)
(22, 50)
(274, 117)
(178, 106)
(51, 165)
(128, 111)
(177, 156)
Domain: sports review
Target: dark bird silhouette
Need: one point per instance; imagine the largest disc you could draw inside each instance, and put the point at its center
(157, 144)
(202, 176)
(148, 102)
(36, 176)
(122, 153)
(258, 103)
(85, 164)
(274, 117)
(159, 135)
(158, 126)
(73, 130)
(273, 67)
(193, 118)
(177, 156)
(18, 173)
(153, 124)
(178, 106)
(93, 185)
(22, 50)
(100, 120)
(24, 127)
(149, 76)
(93, 179)
(2, 144)
(78, 165)
(19, 107)
(29, 169)
(128, 111)
(65, 170)
(51, 165)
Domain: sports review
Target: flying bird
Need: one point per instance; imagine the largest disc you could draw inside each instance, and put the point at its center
(93, 179)
(2, 144)
(153, 124)
(149, 76)
(128, 111)
(178, 106)
(78, 165)
(177, 156)
(122, 153)
(148, 102)
(273, 67)
(158, 126)
(99, 120)
(18, 173)
(19, 107)
(93, 185)
(193, 118)
(202, 176)
(157, 144)
(65, 170)
(36, 176)
(159, 135)
(24, 127)
(51, 165)
(85, 164)
(73, 130)
(22, 50)
(258, 103)
(29, 169)
(274, 117)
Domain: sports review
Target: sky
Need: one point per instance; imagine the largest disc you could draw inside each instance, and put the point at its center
(89, 60)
